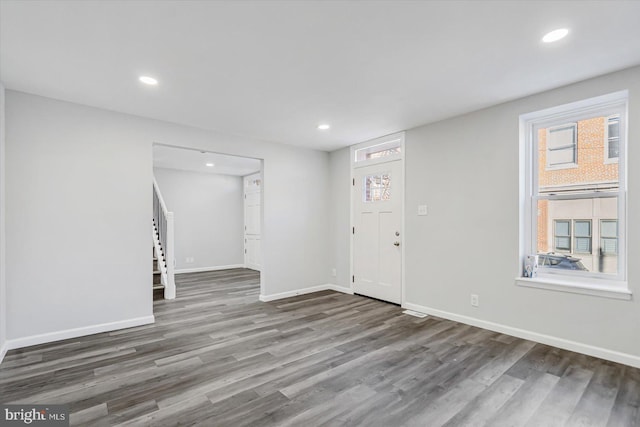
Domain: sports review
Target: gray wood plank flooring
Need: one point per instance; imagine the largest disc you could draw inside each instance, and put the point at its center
(216, 356)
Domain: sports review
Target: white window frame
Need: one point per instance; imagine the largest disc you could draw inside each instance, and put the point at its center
(607, 159)
(592, 283)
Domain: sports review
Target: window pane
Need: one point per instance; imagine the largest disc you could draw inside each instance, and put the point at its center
(609, 246)
(562, 137)
(614, 148)
(582, 228)
(377, 187)
(614, 128)
(383, 153)
(562, 228)
(568, 227)
(583, 245)
(567, 167)
(613, 141)
(608, 239)
(378, 151)
(609, 228)
(563, 243)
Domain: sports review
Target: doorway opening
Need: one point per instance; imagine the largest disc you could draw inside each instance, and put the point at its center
(377, 218)
(215, 229)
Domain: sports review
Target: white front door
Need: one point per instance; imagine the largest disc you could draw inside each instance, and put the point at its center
(377, 239)
(252, 208)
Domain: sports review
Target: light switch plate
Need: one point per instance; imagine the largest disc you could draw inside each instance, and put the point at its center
(422, 210)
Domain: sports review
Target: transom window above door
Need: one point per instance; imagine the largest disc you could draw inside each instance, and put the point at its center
(387, 149)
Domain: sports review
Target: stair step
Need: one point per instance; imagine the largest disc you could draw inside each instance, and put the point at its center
(158, 292)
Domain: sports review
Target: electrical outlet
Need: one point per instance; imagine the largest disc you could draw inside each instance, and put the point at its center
(189, 260)
(422, 210)
(334, 273)
(475, 300)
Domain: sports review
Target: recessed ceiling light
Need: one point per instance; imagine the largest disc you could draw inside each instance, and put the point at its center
(555, 35)
(210, 165)
(323, 126)
(148, 80)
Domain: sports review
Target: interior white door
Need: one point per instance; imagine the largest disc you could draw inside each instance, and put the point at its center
(252, 208)
(377, 240)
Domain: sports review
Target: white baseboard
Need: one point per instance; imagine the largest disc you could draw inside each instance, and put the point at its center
(202, 269)
(3, 351)
(338, 288)
(318, 288)
(77, 332)
(603, 353)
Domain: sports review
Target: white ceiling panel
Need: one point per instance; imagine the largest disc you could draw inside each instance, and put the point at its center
(274, 70)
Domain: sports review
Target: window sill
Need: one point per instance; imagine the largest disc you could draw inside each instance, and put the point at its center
(606, 291)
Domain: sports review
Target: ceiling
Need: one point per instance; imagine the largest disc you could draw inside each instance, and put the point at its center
(274, 70)
(165, 156)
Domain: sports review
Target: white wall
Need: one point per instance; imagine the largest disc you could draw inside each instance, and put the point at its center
(340, 185)
(3, 288)
(79, 207)
(466, 170)
(208, 215)
(78, 219)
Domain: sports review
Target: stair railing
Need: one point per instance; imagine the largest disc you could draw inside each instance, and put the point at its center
(163, 220)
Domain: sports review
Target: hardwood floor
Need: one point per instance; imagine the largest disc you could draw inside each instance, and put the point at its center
(218, 357)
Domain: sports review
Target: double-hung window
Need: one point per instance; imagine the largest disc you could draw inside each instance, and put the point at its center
(582, 236)
(562, 235)
(609, 237)
(612, 141)
(573, 196)
(561, 146)
(572, 236)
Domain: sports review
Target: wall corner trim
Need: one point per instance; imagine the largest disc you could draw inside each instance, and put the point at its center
(589, 350)
(15, 343)
(309, 290)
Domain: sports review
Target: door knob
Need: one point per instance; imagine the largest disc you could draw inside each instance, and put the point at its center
(396, 243)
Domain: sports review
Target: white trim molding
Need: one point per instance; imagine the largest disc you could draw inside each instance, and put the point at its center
(337, 288)
(576, 281)
(3, 351)
(203, 269)
(599, 290)
(398, 138)
(589, 350)
(310, 290)
(77, 332)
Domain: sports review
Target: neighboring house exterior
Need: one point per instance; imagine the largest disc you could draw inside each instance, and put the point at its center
(573, 158)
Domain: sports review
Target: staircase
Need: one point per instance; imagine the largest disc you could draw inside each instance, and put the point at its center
(158, 287)
(164, 285)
